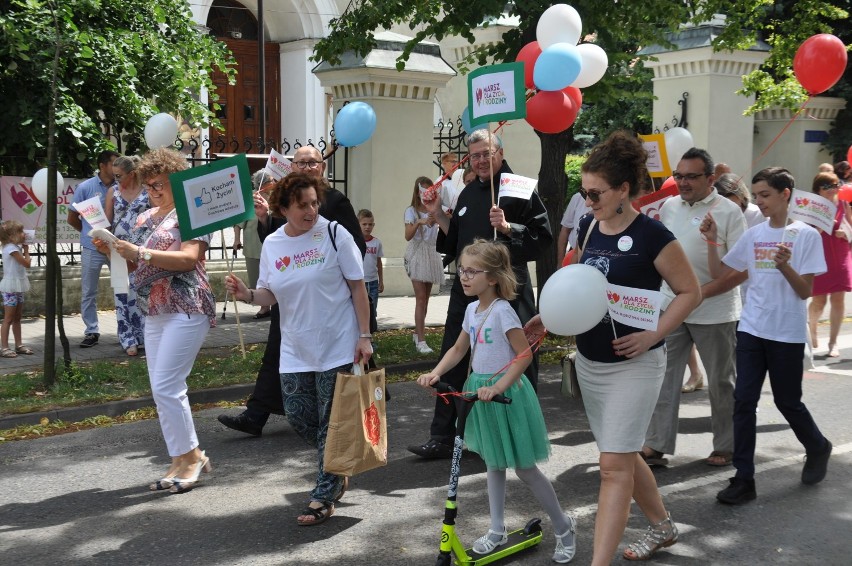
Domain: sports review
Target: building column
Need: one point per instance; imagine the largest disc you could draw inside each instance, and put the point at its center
(383, 169)
(303, 100)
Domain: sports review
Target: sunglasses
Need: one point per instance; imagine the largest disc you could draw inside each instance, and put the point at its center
(829, 186)
(594, 196)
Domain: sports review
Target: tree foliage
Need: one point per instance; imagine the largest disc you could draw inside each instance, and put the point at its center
(621, 28)
(121, 62)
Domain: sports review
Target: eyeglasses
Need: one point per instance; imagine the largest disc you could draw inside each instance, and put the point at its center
(482, 156)
(466, 273)
(156, 186)
(687, 176)
(594, 196)
(307, 164)
(829, 186)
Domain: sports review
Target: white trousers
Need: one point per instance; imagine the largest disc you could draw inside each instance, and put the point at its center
(172, 342)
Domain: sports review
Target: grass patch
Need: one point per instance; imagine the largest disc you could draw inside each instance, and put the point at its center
(111, 380)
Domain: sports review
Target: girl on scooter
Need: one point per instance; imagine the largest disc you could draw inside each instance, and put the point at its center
(505, 436)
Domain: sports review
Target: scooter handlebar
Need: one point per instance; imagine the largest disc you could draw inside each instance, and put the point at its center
(447, 388)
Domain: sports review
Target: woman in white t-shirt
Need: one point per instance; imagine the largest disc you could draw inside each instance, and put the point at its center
(312, 268)
(780, 258)
(422, 262)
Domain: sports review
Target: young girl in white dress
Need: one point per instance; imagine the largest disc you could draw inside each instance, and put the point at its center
(16, 260)
(422, 262)
(506, 436)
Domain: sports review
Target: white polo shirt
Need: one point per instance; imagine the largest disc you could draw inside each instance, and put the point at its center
(684, 220)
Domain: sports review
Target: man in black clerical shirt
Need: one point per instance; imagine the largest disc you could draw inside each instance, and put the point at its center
(522, 225)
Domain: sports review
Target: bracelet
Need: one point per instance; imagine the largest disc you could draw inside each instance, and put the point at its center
(251, 298)
(365, 335)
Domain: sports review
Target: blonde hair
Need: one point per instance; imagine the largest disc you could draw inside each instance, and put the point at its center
(494, 258)
(8, 229)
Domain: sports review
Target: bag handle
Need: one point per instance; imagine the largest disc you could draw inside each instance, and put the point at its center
(588, 233)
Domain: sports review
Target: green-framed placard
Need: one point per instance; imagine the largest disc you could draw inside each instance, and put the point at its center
(496, 92)
(213, 196)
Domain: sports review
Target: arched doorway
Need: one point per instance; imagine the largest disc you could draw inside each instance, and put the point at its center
(239, 112)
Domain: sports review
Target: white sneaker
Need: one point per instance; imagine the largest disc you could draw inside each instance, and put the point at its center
(415, 339)
(424, 348)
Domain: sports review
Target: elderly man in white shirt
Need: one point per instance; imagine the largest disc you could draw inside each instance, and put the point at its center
(712, 326)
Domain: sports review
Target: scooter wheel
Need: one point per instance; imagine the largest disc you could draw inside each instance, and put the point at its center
(444, 560)
(532, 526)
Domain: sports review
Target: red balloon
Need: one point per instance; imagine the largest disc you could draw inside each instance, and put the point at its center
(528, 54)
(569, 257)
(820, 62)
(849, 154)
(845, 193)
(574, 94)
(670, 182)
(551, 112)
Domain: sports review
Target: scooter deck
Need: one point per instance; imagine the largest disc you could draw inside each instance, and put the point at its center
(518, 541)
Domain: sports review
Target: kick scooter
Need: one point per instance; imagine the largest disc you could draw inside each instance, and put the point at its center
(519, 540)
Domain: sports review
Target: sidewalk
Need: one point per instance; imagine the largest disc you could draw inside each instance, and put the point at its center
(393, 312)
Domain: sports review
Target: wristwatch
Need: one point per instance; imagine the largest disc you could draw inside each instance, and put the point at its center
(145, 254)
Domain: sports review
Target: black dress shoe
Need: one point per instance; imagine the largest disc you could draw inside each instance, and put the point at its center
(432, 449)
(241, 423)
(816, 466)
(740, 491)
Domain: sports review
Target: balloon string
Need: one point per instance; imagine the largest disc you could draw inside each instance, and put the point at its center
(527, 353)
(781, 133)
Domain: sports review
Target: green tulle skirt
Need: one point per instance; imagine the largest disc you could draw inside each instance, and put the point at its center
(507, 436)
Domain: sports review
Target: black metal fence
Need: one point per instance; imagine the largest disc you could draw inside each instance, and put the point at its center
(200, 150)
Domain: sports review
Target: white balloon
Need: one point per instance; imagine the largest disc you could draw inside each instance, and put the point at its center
(161, 130)
(573, 300)
(595, 62)
(40, 184)
(560, 23)
(678, 142)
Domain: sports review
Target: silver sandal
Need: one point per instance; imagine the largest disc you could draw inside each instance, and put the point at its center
(659, 535)
(566, 543)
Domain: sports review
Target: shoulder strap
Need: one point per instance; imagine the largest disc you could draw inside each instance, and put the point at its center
(588, 233)
(333, 234)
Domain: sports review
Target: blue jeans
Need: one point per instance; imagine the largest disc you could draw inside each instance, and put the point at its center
(783, 361)
(91, 262)
(373, 295)
(307, 404)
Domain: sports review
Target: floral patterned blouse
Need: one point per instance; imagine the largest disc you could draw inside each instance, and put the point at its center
(160, 291)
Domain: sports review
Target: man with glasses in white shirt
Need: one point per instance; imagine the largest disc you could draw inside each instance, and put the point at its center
(712, 325)
(522, 225)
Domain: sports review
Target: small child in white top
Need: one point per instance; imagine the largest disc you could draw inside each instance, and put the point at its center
(16, 260)
(506, 436)
(373, 276)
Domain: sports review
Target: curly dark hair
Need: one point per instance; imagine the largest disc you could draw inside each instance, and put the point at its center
(621, 158)
(289, 189)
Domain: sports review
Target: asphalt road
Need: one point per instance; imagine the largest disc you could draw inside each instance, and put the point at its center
(82, 499)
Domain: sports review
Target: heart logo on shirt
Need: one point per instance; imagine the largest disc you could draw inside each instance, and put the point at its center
(504, 181)
(282, 263)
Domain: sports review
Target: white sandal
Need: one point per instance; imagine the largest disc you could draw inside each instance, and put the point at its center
(484, 544)
(566, 543)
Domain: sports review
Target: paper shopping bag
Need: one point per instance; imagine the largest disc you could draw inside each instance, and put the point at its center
(357, 438)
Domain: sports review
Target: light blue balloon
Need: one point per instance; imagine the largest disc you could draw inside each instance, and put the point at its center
(465, 118)
(354, 124)
(557, 67)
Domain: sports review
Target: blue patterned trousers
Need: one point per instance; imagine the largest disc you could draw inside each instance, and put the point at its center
(307, 404)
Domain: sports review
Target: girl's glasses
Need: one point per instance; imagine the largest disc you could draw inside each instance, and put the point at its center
(594, 196)
(829, 186)
(467, 273)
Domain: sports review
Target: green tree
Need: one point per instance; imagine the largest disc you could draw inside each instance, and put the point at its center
(619, 27)
(121, 61)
